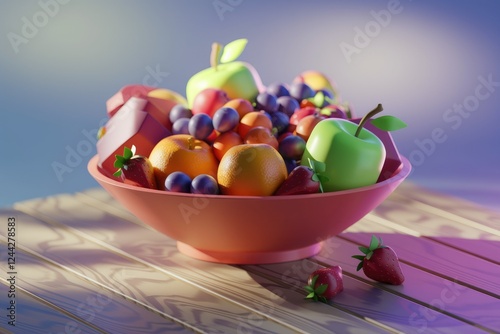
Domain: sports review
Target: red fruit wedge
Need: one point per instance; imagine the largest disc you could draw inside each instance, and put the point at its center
(324, 284)
(135, 169)
(380, 263)
(301, 180)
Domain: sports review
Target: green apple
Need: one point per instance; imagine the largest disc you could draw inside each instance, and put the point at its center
(238, 79)
(352, 156)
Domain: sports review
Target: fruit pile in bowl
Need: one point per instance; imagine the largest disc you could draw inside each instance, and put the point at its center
(239, 172)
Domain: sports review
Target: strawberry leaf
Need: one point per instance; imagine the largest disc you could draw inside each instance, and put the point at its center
(388, 123)
(321, 289)
(310, 295)
(318, 167)
(121, 160)
(374, 242)
(233, 50)
(316, 293)
(364, 249)
(360, 266)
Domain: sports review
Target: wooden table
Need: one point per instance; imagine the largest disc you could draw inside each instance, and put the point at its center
(83, 264)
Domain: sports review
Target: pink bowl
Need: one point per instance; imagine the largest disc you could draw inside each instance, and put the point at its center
(251, 229)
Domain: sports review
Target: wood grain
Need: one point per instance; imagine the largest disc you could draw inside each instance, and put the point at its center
(425, 254)
(34, 315)
(483, 307)
(139, 283)
(131, 240)
(93, 304)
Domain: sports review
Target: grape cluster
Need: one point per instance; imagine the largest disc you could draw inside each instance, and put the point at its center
(291, 111)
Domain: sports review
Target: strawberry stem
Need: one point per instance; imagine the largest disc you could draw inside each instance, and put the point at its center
(372, 113)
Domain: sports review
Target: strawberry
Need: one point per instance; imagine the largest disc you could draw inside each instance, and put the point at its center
(135, 169)
(300, 181)
(324, 284)
(380, 263)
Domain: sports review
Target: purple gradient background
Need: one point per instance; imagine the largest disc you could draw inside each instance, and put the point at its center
(425, 60)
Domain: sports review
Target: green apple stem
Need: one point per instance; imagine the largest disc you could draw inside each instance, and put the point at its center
(215, 55)
(372, 113)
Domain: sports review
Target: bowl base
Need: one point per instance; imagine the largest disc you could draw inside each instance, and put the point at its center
(250, 257)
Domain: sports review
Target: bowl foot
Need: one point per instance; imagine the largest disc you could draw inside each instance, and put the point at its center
(250, 257)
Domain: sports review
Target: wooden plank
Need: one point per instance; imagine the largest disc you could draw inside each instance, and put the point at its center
(486, 305)
(408, 213)
(450, 207)
(432, 256)
(141, 284)
(104, 309)
(33, 314)
(360, 296)
(129, 239)
(403, 307)
(472, 311)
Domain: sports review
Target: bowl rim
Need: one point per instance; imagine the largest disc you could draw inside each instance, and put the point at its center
(401, 173)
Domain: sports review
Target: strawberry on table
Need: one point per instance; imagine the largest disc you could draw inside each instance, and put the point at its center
(135, 169)
(324, 284)
(380, 263)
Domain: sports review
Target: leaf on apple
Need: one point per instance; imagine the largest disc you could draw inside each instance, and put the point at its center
(233, 50)
(388, 123)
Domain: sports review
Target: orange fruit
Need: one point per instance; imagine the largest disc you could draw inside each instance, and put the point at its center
(242, 106)
(224, 142)
(261, 135)
(182, 153)
(251, 120)
(251, 170)
(306, 125)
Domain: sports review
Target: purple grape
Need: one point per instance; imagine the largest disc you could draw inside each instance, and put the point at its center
(292, 147)
(290, 165)
(327, 93)
(280, 121)
(179, 111)
(200, 126)
(267, 102)
(181, 126)
(225, 119)
(178, 182)
(277, 89)
(301, 91)
(204, 184)
(288, 105)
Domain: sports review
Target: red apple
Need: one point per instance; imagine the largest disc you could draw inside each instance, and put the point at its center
(208, 101)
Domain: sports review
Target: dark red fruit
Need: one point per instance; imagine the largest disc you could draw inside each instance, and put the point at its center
(135, 169)
(301, 180)
(380, 263)
(324, 284)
